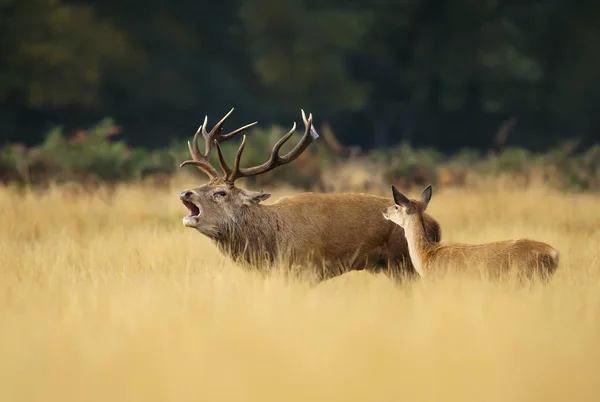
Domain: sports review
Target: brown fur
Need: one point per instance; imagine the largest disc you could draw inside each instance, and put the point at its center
(336, 232)
(523, 256)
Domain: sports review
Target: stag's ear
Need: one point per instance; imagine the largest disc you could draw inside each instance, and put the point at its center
(426, 196)
(254, 197)
(399, 198)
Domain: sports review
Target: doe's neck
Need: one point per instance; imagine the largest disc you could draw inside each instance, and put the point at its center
(418, 243)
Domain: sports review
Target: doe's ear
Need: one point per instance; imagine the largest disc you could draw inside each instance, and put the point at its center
(426, 196)
(254, 197)
(399, 198)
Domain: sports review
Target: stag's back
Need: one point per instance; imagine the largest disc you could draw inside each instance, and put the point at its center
(336, 226)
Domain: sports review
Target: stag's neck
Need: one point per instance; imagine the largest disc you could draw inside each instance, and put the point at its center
(419, 246)
(252, 234)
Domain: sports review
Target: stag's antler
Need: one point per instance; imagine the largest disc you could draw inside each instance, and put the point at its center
(214, 136)
(231, 175)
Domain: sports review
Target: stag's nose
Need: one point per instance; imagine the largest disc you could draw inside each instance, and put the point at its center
(185, 195)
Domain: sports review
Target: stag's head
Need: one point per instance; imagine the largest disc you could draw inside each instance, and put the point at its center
(220, 201)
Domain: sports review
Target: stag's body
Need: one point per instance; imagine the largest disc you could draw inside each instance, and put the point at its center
(334, 232)
(522, 256)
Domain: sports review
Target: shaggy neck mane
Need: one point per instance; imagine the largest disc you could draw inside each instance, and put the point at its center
(251, 235)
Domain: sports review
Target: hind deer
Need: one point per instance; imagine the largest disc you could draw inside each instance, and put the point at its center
(529, 257)
(336, 232)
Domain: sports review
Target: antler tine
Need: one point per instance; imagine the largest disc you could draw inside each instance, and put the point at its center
(238, 157)
(304, 117)
(216, 138)
(279, 144)
(309, 136)
(211, 137)
(215, 133)
(205, 135)
(194, 151)
(275, 159)
(226, 169)
(225, 137)
(199, 160)
(228, 172)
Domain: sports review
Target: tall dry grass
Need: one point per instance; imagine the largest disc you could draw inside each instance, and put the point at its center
(116, 301)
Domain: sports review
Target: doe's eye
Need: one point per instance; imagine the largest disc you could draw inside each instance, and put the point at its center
(220, 194)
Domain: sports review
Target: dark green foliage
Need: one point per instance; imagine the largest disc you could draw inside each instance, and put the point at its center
(87, 156)
(97, 156)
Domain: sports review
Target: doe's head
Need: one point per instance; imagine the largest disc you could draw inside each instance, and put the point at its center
(220, 201)
(404, 208)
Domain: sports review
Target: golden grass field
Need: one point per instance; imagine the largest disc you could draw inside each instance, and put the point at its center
(117, 301)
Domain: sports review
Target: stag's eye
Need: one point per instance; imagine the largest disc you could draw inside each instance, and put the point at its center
(219, 194)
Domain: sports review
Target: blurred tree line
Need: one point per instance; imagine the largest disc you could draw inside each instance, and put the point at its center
(430, 73)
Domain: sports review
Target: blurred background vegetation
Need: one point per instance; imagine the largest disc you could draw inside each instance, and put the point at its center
(403, 91)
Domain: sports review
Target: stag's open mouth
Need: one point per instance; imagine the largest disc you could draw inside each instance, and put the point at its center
(194, 210)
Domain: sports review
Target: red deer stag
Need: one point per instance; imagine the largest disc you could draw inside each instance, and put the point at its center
(336, 232)
(527, 258)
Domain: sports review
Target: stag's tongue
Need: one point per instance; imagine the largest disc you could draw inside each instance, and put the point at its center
(193, 209)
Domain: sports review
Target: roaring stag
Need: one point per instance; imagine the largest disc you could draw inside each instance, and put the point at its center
(335, 232)
(527, 258)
